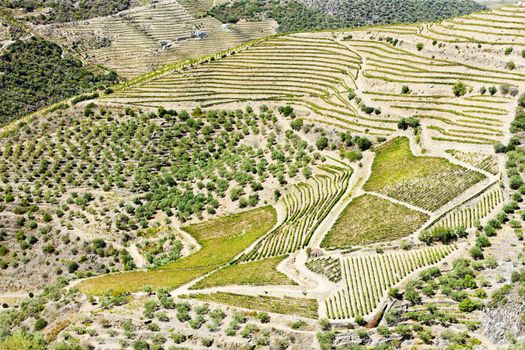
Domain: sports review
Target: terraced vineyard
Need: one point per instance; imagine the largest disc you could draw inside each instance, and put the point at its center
(469, 216)
(475, 121)
(367, 278)
(305, 207)
(370, 219)
(313, 73)
(300, 176)
(371, 65)
(426, 182)
(148, 37)
(483, 161)
(327, 266)
(498, 27)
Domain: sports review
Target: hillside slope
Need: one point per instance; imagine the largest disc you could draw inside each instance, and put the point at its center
(355, 188)
(147, 37)
(306, 15)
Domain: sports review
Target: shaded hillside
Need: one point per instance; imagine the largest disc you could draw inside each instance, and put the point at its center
(364, 12)
(292, 16)
(34, 74)
(315, 14)
(66, 10)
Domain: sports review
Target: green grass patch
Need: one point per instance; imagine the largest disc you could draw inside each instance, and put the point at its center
(426, 182)
(256, 273)
(369, 219)
(302, 307)
(221, 240)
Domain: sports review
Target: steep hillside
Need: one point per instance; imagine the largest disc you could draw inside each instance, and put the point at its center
(359, 188)
(366, 12)
(35, 73)
(37, 11)
(302, 15)
(43, 59)
(147, 37)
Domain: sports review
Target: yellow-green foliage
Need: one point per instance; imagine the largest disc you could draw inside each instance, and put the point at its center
(221, 240)
(369, 219)
(23, 340)
(427, 182)
(303, 307)
(257, 273)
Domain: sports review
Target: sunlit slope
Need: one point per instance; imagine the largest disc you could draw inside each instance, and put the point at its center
(390, 72)
(148, 37)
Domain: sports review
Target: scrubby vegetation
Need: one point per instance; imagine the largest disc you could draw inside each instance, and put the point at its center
(304, 15)
(292, 16)
(36, 73)
(66, 10)
(221, 240)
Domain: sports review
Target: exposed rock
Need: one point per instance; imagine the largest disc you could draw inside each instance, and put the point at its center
(505, 321)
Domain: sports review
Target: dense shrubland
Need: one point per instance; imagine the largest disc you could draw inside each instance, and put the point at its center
(292, 16)
(366, 12)
(36, 73)
(314, 14)
(68, 10)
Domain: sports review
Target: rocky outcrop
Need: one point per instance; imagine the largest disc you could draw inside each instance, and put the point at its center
(505, 321)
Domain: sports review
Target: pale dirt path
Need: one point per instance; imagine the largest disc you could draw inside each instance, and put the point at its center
(293, 267)
(189, 243)
(138, 258)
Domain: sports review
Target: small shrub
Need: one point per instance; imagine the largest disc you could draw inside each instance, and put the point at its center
(40, 324)
(178, 338)
(263, 317)
(207, 342)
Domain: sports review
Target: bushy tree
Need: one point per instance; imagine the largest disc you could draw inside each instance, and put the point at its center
(459, 89)
(322, 143)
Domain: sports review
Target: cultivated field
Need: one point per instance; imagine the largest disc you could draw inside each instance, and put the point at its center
(370, 219)
(365, 177)
(148, 37)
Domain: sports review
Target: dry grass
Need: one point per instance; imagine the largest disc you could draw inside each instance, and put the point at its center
(302, 307)
(221, 239)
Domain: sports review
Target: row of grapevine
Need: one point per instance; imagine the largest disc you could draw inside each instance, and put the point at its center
(148, 37)
(449, 119)
(329, 267)
(432, 192)
(470, 216)
(366, 279)
(314, 73)
(306, 207)
(502, 26)
(483, 161)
